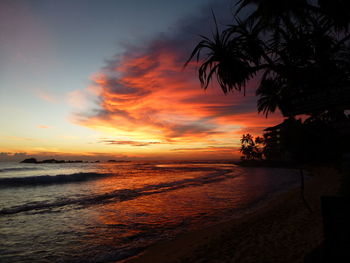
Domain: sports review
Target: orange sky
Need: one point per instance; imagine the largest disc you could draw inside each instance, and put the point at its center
(143, 104)
(149, 101)
(150, 107)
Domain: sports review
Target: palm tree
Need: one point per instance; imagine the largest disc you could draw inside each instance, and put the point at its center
(227, 58)
(336, 12)
(251, 148)
(296, 48)
(259, 147)
(274, 12)
(291, 46)
(247, 147)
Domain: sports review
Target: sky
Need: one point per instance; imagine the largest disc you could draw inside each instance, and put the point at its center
(105, 80)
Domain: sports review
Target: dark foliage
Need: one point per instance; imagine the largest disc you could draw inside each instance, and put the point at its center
(296, 48)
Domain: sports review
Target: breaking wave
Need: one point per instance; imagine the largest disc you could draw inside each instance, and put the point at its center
(113, 196)
(19, 169)
(49, 179)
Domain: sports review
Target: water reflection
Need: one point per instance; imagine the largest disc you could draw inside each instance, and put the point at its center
(116, 216)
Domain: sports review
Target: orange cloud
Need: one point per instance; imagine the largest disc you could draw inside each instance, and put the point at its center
(131, 143)
(148, 98)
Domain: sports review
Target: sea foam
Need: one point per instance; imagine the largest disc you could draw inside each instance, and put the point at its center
(49, 179)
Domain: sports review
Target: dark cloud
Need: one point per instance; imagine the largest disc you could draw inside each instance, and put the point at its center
(115, 86)
(131, 143)
(233, 109)
(207, 149)
(146, 90)
(198, 128)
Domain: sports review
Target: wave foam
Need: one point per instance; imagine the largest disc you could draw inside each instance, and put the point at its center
(113, 196)
(19, 169)
(49, 179)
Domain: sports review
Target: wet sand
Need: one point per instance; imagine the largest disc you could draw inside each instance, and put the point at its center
(283, 230)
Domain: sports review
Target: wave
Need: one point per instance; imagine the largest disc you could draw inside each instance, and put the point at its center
(118, 195)
(49, 179)
(19, 169)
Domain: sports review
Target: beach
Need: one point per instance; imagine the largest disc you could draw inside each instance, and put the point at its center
(107, 212)
(283, 230)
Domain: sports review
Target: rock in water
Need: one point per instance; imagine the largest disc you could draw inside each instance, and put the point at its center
(30, 160)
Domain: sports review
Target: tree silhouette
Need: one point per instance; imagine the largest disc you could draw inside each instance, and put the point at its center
(294, 48)
(251, 149)
(298, 51)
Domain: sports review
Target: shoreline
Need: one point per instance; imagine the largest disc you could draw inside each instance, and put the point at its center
(282, 230)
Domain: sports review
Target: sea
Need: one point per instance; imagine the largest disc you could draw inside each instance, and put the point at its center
(108, 212)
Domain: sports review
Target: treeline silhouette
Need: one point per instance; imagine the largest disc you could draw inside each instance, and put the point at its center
(296, 141)
(298, 54)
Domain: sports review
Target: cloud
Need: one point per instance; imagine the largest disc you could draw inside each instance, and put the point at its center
(17, 138)
(43, 127)
(131, 143)
(207, 149)
(46, 96)
(77, 99)
(84, 99)
(145, 94)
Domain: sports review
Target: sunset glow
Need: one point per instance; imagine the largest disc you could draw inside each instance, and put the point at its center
(174, 131)
(149, 102)
(141, 104)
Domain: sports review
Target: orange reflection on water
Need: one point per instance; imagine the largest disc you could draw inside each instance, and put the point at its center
(174, 196)
(165, 200)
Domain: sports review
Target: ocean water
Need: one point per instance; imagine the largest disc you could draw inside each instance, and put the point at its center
(107, 212)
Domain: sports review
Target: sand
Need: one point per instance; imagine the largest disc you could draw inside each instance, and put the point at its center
(283, 230)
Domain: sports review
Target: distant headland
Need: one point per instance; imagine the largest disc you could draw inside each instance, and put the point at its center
(34, 160)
